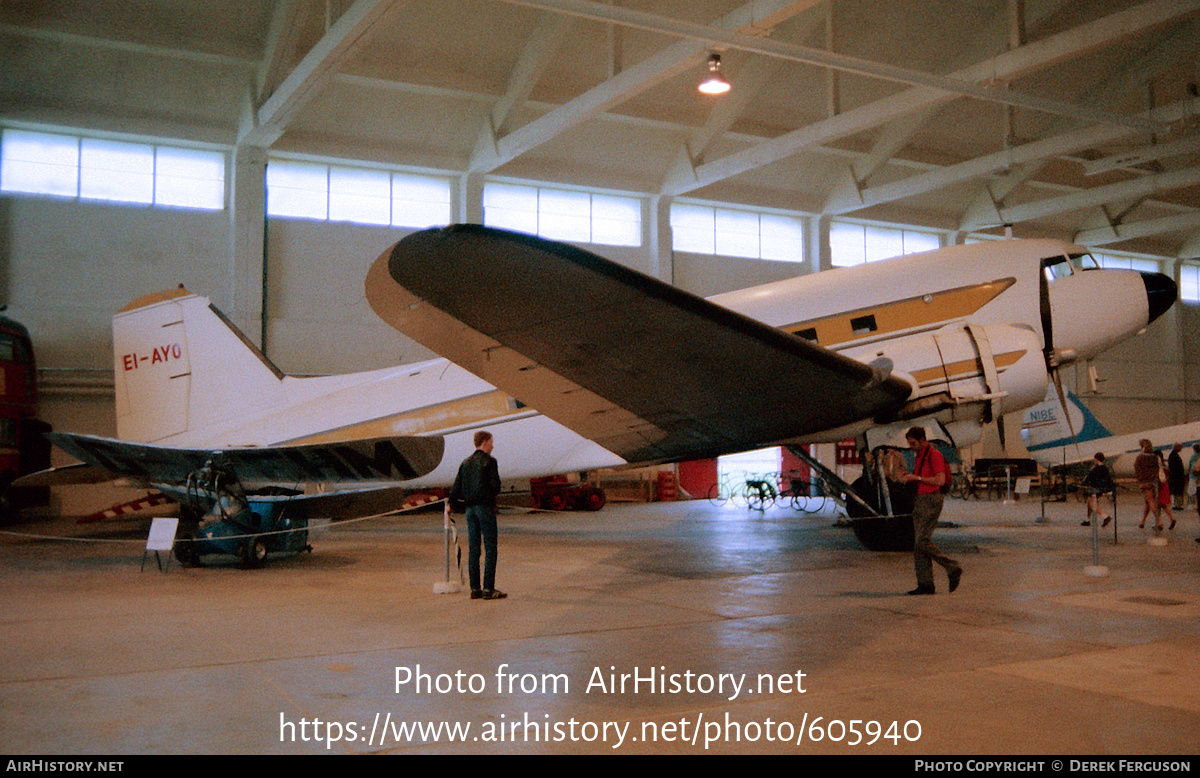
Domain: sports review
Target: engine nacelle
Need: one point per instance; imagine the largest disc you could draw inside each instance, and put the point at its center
(967, 372)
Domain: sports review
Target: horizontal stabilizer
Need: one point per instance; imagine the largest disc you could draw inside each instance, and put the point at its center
(646, 370)
(379, 459)
(74, 474)
(339, 505)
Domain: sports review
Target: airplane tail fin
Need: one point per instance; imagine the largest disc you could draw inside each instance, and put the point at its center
(181, 366)
(1045, 425)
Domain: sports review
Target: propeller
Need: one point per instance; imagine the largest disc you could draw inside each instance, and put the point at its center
(1055, 358)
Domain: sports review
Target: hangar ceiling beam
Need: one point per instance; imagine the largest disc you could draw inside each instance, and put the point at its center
(132, 47)
(753, 18)
(282, 39)
(1131, 159)
(1140, 229)
(937, 90)
(1191, 246)
(1045, 148)
(1168, 52)
(536, 56)
(349, 33)
(896, 135)
(1138, 187)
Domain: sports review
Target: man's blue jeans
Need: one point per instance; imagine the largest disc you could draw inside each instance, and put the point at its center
(481, 531)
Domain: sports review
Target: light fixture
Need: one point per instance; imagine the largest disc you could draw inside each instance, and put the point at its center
(714, 83)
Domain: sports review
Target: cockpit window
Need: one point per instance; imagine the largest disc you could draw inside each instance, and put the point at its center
(1060, 267)
(1084, 262)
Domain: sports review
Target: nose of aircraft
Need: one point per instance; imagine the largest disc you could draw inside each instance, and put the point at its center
(1161, 293)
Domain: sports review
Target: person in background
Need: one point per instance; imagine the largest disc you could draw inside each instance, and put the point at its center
(1193, 479)
(1145, 471)
(1177, 477)
(1164, 492)
(1098, 482)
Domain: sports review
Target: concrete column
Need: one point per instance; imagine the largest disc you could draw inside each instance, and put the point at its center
(246, 296)
(817, 254)
(656, 231)
(468, 207)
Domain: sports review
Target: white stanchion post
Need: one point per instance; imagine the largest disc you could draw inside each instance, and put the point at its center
(447, 586)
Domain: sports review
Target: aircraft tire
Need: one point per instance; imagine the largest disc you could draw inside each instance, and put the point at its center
(884, 533)
(254, 553)
(594, 499)
(186, 554)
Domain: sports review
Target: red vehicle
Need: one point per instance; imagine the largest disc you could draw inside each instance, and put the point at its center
(23, 446)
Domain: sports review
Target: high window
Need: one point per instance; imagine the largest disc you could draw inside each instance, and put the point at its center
(708, 229)
(75, 166)
(312, 190)
(1123, 262)
(562, 214)
(854, 244)
(1189, 283)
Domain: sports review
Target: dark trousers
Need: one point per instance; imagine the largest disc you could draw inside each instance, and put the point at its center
(481, 533)
(926, 509)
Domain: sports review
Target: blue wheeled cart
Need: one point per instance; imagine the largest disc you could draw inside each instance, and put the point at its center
(223, 520)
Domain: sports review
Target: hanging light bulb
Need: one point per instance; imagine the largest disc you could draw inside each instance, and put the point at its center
(714, 83)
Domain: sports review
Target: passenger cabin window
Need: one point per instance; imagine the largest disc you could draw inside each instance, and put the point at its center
(863, 325)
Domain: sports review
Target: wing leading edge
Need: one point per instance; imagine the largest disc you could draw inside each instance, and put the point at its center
(648, 371)
(380, 459)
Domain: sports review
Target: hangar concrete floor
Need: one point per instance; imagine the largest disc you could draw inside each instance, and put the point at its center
(1029, 656)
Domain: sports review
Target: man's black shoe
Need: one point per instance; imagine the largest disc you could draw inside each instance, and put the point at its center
(476, 594)
(923, 590)
(955, 575)
(493, 594)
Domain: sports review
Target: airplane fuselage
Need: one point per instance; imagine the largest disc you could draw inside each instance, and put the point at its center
(968, 328)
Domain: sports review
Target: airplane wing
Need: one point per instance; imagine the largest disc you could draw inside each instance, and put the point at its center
(395, 458)
(340, 505)
(647, 371)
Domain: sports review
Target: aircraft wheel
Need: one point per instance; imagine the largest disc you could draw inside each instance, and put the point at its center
(594, 499)
(884, 533)
(254, 553)
(186, 554)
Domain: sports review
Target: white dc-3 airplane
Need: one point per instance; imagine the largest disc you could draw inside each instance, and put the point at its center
(575, 362)
(1055, 440)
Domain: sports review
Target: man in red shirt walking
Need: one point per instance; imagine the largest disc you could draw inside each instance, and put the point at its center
(929, 476)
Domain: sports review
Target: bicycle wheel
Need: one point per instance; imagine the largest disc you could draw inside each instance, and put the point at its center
(758, 497)
(798, 494)
(718, 495)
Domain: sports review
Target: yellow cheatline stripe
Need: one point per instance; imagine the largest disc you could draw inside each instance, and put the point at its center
(910, 313)
(965, 368)
(424, 421)
(156, 297)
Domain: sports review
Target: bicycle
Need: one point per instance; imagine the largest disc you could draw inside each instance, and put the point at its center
(724, 491)
(964, 486)
(759, 493)
(806, 496)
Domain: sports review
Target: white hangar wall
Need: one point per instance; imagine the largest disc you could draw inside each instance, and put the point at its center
(69, 265)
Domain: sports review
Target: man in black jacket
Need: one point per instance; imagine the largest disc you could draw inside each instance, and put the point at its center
(477, 486)
(1098, 482)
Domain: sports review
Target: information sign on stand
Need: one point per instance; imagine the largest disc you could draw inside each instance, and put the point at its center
(161, 538)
